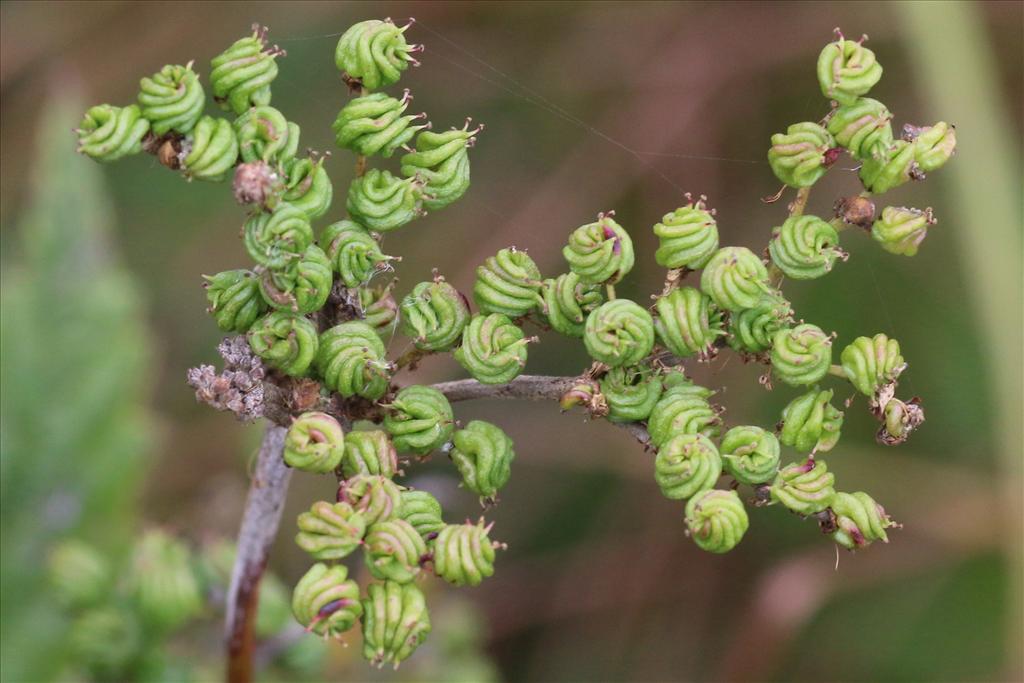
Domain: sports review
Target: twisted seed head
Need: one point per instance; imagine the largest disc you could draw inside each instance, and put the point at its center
(483, 454)
(277, 239)
(302, 286)
(899, 419)
(685, 465)
(804, 488)
(752, 329)
(172, 99)
(420, 419)
(871, 362)
(353, 252)
(106, 639)
(507, 283)
(240, 77)
(441, 161)
(315, 442)
(395, 622)
(375, 124)
(384, 202)
(464, 553)
(566, 302)
(716, 520)
(900, 230)
(326, 601)
(750, 454)
(933, 145)
(79, 574)
(164, 585)
(379, 309)
(374, 53)
(330, 531)
(108, 133)
(600, 252)
(369, 452)
(687, 322)
(630, 393)
(859, 520)
(687, 237)
(682, 409)
(264, 134)
(804, 247)
(735, 278)
(847, 70)
(493, 349)
(376, 498)
(801, 355)
(810, 423)
(212, 150)
(434, 315)
(393, 550)
(889, 167)
(422, 510)
(235, 300)
(285, 341)
(351, 361)
(307, 186)
(862, 128)
(618, 333)
(799, 156)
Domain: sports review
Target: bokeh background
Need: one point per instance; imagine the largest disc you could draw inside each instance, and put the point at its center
(588, 107)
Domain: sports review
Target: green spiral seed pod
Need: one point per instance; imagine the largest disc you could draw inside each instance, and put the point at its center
(277, 239)
(687, 237)
(420, 419)
(79, 574)
(383, 202)
(326, 601)
(285, 341)
(687, 322)
(422, 510)
(859, 520)
(369, 452)
(801, 355)
(330, 531)
(933, 145)
(376, 498)
(212, 150)
(353, 252)
(264, 134)
(307, 187)
(804, 488)
(315, 442)
(374, 53)
(871, 362)
(302, 286)
(351, 361)
(393, 551)
(735, 278)
(395, 622)
(752, 330)
(464, 554)
(810, 423)
(108, 133)
(379, 309)
(240, 77)
(441, 161)
(631, 393)
(618, 333)
(375, 124)
(483, 454)
(862, 127)
(566, 302)
(900, 230)
(172, 99)
(493, 349)
(798, 156)
(889, 168)
(434, 315)
(750, 454)
(685, 465)
(847, 70)
(682, 409)
(600, 252)
(716, 520)
(235, 300)
(163, 583)
(508, 282)
(804, 247)
(106, 639)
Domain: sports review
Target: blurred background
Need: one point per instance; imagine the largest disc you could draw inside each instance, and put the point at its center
(588, 107)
